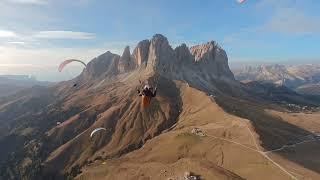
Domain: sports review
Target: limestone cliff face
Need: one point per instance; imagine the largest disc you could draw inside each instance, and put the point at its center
(126, 62)
(140, 53)
(106, 63)
(184, 55)
(291, 76)
(212, 59)
(161, 55)
(207, 61)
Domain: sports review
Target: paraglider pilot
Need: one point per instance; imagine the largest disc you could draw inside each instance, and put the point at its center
(147, 93)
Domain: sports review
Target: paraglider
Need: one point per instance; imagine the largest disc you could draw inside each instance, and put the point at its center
(96, 130)
(66, 62)
(147, 93)
(241, 1)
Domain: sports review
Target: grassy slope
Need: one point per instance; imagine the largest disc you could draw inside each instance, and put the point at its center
(176, 151)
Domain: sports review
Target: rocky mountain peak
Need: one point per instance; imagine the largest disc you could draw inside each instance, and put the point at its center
(126, 53)
(183, 54)
(160, 53)
(203, 50)
(126, 63)
(207, 60)
(212, 59)
(159, 38)
(105, 63)
(291, 76)
(141, 52)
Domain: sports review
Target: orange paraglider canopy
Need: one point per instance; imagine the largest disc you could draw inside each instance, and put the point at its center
(146, 101)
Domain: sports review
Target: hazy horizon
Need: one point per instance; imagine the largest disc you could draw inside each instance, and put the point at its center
(36, 35)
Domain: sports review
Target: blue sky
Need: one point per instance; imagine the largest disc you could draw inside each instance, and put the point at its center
(35, 35)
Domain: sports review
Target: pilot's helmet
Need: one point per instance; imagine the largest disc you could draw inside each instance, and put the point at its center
(146, 87)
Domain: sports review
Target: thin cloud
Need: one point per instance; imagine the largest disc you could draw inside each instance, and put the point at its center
(7, 34)
(44, 56)
(237, 37)
(274, 4)
(17, 42)
(230, 38)
(288, 18)
(22, 65)
(293, 22)
(44, 62)
(34, 2)
(64, 35)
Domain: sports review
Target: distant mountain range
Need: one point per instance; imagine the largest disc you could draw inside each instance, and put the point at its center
(10, 84)
(303, 78)
(312, 89)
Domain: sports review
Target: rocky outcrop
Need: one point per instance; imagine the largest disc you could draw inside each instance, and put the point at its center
(126, 62)
(161, 55)
(198, 132)
(212, 59)
(184, 55)
(204, 51)
(203, 63)
(207, 60)
(141, 53)
(291, 76)
(106, 63)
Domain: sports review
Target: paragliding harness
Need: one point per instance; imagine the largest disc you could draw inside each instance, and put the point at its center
(148, 93)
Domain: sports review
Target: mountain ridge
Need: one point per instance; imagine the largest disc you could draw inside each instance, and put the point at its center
(156, 54)
(53, 125)
(288, 75)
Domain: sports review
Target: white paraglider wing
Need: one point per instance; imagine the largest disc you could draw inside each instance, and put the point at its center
(96, 130)
(241, 1)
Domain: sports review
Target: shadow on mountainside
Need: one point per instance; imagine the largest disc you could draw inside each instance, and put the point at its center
(273, 131)
(130, 127)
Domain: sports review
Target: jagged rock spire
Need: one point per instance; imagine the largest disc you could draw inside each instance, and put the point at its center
(208, 60)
